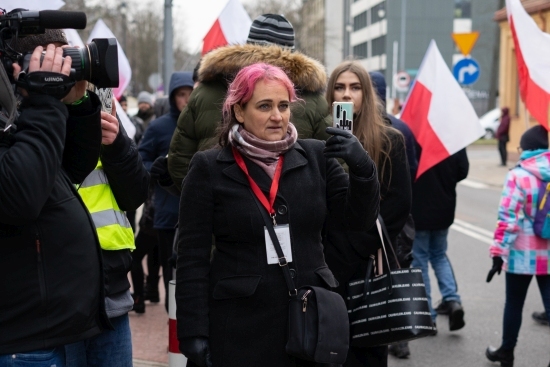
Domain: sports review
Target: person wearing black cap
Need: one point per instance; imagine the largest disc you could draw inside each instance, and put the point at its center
(271, 40)
(516, 248)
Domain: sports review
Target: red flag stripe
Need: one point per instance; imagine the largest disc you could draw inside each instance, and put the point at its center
(214, 38)
(536, 99)
(415, 114)
(173, 343)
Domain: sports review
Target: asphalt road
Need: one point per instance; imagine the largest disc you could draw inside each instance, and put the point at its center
(483, 302)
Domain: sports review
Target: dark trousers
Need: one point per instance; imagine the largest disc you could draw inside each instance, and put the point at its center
(146, 244)
(166, 242)
(369, 357)
(516, 291)
(502, 151)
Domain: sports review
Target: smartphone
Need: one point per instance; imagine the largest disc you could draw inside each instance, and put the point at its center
(342, 115)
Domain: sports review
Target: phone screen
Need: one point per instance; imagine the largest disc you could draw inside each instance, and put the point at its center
(342, 115)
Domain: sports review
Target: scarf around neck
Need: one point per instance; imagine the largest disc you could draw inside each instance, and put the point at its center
(262, 152)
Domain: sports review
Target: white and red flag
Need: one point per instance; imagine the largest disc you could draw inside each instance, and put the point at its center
(231, 27)
(101, 30)
(533, 58)
(438, 112)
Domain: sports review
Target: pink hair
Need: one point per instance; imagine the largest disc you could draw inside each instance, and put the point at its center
(241, 89)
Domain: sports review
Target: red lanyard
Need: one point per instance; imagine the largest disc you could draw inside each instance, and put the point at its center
(268, 205)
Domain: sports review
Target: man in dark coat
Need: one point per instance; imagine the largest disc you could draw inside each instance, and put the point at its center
(50, 261)
(155, 144)
(433, 209)
(502, 135)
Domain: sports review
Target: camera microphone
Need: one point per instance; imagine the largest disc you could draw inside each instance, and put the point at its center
(62, 19)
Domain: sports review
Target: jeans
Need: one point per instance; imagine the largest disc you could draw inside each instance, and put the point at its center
(431, 246)
(53, 357)
(516, 291)
(108, 349)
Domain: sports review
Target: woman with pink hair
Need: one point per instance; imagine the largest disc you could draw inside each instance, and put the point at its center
(232, 302)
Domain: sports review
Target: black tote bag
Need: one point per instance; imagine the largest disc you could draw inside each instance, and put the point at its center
(390, 307)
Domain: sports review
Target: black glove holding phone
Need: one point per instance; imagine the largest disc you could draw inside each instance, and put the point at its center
(343, 144)
(497, 268)
(196, 349)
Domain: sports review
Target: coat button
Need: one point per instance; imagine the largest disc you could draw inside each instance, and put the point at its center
(282, 209)
(292, 273)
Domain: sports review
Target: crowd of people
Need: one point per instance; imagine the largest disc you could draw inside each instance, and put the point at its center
(248, 133)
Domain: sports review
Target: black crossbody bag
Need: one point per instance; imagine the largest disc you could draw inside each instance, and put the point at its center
(318, 325)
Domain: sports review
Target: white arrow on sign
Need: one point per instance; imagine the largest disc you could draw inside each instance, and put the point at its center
(470, 69)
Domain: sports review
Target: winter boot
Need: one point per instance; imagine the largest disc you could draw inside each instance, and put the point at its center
(505, 357)
(151, 289)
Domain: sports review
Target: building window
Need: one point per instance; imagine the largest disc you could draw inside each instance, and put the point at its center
(378, 12)
(379, 46)
(360, 50)
(360, 21)
(463, 8)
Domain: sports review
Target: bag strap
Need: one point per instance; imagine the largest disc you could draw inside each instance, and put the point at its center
(387, 236)
(292, 292)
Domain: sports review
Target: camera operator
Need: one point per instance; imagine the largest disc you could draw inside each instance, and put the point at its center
(51, 292)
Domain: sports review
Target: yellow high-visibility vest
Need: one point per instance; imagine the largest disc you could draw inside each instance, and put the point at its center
(112, 226)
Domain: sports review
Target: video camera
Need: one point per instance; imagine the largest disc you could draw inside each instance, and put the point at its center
(96, 63)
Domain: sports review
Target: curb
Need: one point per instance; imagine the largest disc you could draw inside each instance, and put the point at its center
(142, 363)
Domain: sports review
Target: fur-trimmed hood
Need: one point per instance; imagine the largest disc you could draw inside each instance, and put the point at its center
(307, 74)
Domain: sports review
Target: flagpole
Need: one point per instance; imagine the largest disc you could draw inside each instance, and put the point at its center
(526, 118)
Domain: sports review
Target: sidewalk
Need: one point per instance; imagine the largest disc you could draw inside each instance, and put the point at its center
(485, 166)
(150, 334)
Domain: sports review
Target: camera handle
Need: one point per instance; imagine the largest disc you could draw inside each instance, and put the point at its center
(45, 82)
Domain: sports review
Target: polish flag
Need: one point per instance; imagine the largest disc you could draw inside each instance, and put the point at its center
(231, 27)
(101, 30)
(438, 112)
(533, 58)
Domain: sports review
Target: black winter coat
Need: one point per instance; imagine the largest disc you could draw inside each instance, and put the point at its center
(51, 283)
(236, 299)
(434, 193)
(346, 252)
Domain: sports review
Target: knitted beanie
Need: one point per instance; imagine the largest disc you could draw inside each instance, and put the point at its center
(145, 97)
(534, 138)
(29, 43)
(269, 29)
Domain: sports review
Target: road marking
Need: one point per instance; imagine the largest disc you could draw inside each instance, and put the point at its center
(473, 231)
(473, 184)
(474, 228)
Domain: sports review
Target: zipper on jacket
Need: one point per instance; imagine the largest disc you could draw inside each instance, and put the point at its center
(304, 298)
(41, 280)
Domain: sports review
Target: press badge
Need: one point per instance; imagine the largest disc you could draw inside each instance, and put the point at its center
(283, 235)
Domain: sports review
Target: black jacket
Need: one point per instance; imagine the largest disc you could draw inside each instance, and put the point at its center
(129, 181)
(434, 193)
(50, 263)
(238, 300)
(347, 251)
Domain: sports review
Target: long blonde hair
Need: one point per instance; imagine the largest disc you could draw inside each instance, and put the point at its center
(368, 124)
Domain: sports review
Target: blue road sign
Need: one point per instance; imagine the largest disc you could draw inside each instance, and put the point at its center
(466, 71)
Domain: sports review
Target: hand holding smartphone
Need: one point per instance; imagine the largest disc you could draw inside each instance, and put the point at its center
(342, 115)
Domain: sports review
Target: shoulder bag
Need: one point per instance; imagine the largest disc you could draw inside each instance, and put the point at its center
(389, 307)
(318, 325)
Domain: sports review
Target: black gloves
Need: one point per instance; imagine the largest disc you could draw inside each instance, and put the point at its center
(196, 350)
(159, 171)
(497, 267)
(343, 144)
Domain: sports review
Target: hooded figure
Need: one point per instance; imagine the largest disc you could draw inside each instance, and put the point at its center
(271, 40)
(155, 143)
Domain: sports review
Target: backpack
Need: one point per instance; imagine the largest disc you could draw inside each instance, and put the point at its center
(541, 223)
